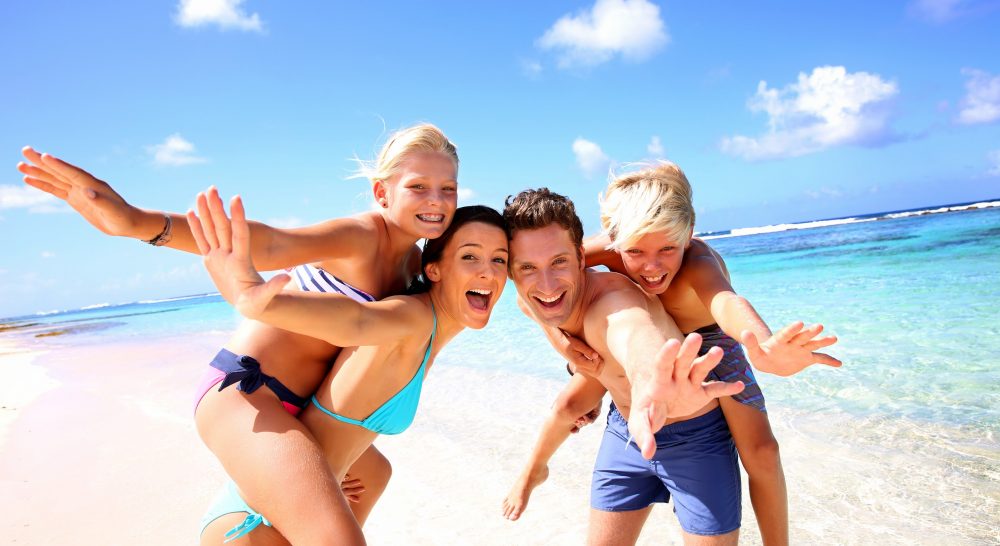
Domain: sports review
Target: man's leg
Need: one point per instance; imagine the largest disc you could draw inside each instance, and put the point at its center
(728, 539)
(616, 528)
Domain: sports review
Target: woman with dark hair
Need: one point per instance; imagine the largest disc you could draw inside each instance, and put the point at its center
(375, 386)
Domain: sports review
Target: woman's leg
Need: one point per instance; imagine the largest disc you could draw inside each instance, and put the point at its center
(277, 465)
(758, 451)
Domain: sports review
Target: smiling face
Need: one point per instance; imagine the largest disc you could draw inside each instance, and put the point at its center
(653, 260)
(421, 197)
(471, 273)
(548, 273)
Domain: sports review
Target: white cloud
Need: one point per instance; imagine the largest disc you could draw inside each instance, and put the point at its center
(464, 195)
(827, 108)
(655, 148)
(994, 159)
(630, 28)
(48, 254)
(590, 157)
(226, 14)
(24, 197)
(286, 223)
(981, 103)
(174, 151)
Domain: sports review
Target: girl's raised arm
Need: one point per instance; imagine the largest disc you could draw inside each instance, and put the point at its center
(105, 209)
(334, 318)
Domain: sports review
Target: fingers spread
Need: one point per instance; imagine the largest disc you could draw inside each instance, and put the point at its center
(46, 187)
(705, 363)
(207, 225)
(240, 229)
(822, 358)
(786, 334)
(223, 230)
(719, 389)
(686, 355)
(820, 342)
(199, 236)
(805, 335)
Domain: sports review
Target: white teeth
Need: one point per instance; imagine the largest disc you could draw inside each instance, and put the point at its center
(549, 300)
(431, 217)
(653, 280)
(482, 291)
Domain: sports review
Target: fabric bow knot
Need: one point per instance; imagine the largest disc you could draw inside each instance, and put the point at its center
(250, 376)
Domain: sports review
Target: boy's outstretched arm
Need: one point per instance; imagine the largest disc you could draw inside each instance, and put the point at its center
(789, 351)
(579, 397)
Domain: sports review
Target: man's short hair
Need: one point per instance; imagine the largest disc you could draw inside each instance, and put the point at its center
(536, 209)
(656, 198)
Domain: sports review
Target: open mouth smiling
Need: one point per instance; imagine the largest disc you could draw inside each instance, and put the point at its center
(551, 302)
(479, 298)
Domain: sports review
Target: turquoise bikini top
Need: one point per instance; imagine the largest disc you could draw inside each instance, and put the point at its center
(396, 414)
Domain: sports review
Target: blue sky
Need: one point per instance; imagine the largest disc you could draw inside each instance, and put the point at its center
(777, 111)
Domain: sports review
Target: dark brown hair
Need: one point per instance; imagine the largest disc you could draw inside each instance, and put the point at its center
(535, 209)
(433, 248)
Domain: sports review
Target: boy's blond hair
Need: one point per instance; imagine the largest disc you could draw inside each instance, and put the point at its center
(656, 198)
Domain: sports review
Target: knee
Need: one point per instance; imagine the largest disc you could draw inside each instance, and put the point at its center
(568, 410)
(381, 473)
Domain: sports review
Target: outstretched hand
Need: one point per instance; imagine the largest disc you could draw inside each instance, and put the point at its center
(674, 387)
(94, 199)
(790, 350)
(225, 247)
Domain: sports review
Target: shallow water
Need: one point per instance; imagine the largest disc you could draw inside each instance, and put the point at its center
(901, 445)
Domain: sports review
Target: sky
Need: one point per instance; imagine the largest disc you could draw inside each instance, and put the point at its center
(777, 111)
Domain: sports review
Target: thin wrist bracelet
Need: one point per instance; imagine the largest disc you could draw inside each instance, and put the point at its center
(164, 236)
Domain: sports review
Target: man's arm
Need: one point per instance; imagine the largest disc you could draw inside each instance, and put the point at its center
(667, 377)
(579, 397)
(789, 351)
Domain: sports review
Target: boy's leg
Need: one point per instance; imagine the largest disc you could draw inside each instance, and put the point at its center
(616, 528)
(699, 467)
(759, 454)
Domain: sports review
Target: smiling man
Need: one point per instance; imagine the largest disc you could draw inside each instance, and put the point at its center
(683, 446)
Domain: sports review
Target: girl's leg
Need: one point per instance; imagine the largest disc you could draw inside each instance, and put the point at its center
(215, 533)
(758, 451)
(374, 471)
(277, 465)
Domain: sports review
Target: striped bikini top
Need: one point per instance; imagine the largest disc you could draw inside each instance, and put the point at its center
(314, 279)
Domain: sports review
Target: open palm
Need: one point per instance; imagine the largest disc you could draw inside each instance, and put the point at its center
(225, 246)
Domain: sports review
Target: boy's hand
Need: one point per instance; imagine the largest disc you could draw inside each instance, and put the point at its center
(790, 350)
(586, 419)
(583, 359)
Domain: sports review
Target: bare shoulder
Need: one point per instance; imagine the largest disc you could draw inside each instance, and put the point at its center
(700, 260)
(611, 292)
(415, 311)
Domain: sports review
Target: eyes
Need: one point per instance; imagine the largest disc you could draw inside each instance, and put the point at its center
(420, 187)
(496, 259)
(639, 251)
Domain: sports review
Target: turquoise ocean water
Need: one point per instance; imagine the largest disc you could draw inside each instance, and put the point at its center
(903, 440)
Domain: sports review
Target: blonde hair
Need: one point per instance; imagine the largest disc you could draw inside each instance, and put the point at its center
(656, 198)
(400, 145)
